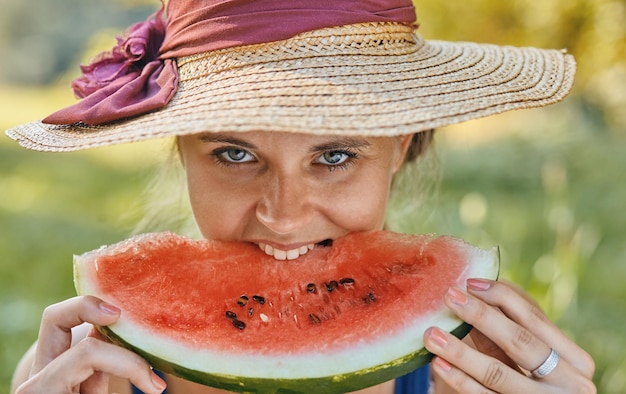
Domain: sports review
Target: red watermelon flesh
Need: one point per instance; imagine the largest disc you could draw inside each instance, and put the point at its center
(226, 309)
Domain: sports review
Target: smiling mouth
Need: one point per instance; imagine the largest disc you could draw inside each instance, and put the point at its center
(290, 254)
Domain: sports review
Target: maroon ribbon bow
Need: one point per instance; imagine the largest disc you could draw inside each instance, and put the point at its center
(139, 75)
(129, 80)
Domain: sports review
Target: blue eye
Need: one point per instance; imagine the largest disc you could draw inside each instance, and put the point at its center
(333, 158)
(337, 159)
(233, 155)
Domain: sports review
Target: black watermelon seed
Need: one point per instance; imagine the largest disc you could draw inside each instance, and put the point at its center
(346, 281)
(369, 298)
(314, 318)
(332, 285)
(259, 299)
(250, 312)
(242, 301)
(239, 324)
(231, 315)
(311, 288)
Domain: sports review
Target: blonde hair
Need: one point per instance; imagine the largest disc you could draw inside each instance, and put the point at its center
(415, 187)
(165, 203)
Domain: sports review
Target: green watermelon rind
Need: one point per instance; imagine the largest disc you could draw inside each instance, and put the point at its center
(328, 384)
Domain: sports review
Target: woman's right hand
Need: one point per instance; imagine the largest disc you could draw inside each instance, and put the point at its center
(59, 366)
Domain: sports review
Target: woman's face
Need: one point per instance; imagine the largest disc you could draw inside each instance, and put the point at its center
(287, 192)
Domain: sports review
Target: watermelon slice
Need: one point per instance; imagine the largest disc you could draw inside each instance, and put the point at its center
(342, 317)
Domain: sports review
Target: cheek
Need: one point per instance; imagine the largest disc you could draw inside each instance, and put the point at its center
(367, 195)
(363, 206)
(219, 212)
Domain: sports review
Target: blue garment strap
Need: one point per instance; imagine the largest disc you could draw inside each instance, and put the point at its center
(416, 382)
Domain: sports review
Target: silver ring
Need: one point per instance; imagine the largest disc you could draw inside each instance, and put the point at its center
(548, 366)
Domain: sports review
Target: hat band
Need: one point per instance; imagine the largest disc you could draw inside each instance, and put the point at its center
(384, 39)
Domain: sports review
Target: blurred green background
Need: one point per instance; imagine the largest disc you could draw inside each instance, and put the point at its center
(547, 185)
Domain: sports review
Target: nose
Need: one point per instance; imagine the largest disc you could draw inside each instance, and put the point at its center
(285, 204)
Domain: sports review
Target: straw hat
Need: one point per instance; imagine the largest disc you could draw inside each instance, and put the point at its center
(373, 78)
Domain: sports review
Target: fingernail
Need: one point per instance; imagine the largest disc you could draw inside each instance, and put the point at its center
(457, 296)
(158, 383)
(478, 284)
(109, 309)
(438, 336)
(442, 364)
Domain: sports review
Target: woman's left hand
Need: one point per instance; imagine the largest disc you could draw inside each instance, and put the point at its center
(512, 337)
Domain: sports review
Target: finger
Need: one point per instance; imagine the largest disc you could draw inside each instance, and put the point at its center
(497, 376)
(456, 379)
(55, 333)
(520, 344)
(486, 346)
(98, 383)
(468, 364)
(518, 290)
(91, 357)
(531, 317)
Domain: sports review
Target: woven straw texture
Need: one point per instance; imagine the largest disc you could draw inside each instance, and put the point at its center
(375, 79)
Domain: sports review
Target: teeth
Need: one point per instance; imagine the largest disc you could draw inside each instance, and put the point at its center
(285, 254)
(293, 254)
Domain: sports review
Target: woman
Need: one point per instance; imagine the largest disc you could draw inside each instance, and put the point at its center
(291, 119)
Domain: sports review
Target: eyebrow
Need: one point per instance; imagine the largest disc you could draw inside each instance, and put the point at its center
(219, 138)
(341, 143)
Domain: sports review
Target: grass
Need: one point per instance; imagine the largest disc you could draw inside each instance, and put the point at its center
(553, 204)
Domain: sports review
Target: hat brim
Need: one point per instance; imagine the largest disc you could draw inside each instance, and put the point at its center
(377, 79)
